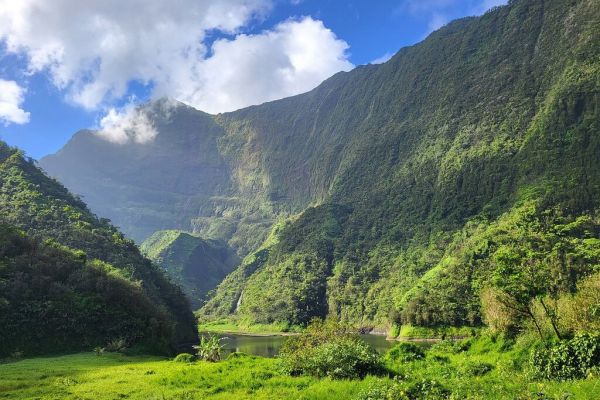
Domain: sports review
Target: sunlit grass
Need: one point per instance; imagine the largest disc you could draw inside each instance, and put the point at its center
(114, 376)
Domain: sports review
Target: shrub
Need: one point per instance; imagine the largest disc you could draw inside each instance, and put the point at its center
(568, 359)
(428, 390)
(210, 348)
(397, 390)
(452, 346)
(405, 352)
(329, 349)
(184, 358)
(116, 346)
(478, 368)
(383, 390)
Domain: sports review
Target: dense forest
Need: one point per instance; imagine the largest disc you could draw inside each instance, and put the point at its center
(195, 264)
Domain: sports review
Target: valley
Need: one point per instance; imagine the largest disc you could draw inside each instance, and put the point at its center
(447, 200)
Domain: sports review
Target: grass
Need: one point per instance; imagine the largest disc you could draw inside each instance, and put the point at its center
(228, 326)
(480, 368)
(113, 376)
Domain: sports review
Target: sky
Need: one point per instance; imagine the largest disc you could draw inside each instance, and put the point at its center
(67, 65)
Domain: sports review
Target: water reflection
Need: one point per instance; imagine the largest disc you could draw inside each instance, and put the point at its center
(268, 346)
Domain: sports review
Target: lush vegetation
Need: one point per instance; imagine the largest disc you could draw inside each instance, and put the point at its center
(327, 349)
(70, 281)
(444, 199)
(195, 264)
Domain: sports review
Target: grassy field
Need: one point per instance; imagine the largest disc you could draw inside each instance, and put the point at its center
(114, 376)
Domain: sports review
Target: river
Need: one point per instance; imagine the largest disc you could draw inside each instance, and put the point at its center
(268, 346)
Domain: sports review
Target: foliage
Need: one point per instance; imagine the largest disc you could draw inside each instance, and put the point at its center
(570, 359)
(69, 281)
(328, 349)
(116, 346)
(210, 348)
(195, 264)
(404, 352)
(580, 311)
(478, 368)
(184, 358)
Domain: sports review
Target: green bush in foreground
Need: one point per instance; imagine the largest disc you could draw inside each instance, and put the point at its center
(399, 390)
(184, 358)
(404, 352)
(210, 348)
(569, 359)
(328, 349)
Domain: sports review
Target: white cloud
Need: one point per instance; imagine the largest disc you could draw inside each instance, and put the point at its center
(384, 58)
(128, 124)
(292, 58)
(93, 50)
(11, 98)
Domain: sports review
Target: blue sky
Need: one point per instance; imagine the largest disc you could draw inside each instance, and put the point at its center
(58, 76)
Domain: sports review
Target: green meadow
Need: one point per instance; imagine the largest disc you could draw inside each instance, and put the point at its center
(481, 368)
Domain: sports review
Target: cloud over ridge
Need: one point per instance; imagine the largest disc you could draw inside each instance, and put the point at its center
(93, 51)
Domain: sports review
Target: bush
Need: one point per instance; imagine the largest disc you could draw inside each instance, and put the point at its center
(210, 348)
(452, 346)
(423, 390)
(478, 368)
(328, 349)
(405, 352)
(184, 358)
(569, 359)
(116, 346)
(384, 390)
(428, 390)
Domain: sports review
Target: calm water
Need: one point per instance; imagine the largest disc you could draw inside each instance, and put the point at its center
(268, 346)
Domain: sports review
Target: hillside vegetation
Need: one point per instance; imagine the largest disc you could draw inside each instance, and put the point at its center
(70, 281)
(473, 163)
(195, 264)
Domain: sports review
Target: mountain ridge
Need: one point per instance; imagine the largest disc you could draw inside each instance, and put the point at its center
(399, 157)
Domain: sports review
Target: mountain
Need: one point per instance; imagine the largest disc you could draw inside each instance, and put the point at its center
(196, 265)
(391, 180)
(183, 179)
(70, 281)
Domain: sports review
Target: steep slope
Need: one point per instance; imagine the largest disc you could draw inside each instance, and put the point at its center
(82, 263)
(463, 125)
(483, 116)
(195, 264)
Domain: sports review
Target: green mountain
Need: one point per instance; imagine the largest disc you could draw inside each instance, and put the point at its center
(180, 180)
(70, 281)
(196, 265)
(406, 190)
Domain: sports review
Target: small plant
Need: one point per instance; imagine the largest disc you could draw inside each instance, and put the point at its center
(383, 390)
(210, 348)
(98, 350)
(568, 359)
(405, 352)
(16, 355)
(184, 358)
(116, 346)
(478, 368)
(428, 390)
